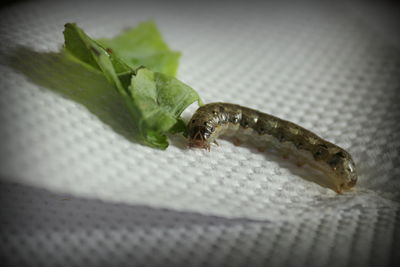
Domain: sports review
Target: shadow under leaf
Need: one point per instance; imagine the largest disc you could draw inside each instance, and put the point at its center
(55, 72)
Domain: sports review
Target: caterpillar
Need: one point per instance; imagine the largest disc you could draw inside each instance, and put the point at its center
(213, 120)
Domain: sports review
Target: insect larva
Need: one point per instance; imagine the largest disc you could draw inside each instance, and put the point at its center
(266, 131)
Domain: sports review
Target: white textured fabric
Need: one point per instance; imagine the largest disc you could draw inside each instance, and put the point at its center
(78, 190)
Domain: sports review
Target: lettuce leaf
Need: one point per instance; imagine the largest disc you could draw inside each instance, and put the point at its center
(144, 46)
(81, 47)
(156, 100)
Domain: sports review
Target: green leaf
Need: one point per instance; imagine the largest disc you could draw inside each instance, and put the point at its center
(90, 53)
(144, 46)
(158, 101)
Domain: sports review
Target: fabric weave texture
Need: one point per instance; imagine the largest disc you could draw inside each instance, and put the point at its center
(77, 189)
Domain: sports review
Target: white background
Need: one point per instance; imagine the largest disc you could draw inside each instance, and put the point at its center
(79, 190)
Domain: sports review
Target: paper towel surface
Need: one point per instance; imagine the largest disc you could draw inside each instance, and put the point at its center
(318, 66)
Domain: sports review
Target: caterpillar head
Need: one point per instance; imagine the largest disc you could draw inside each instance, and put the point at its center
(198, 137)
(201, 129)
